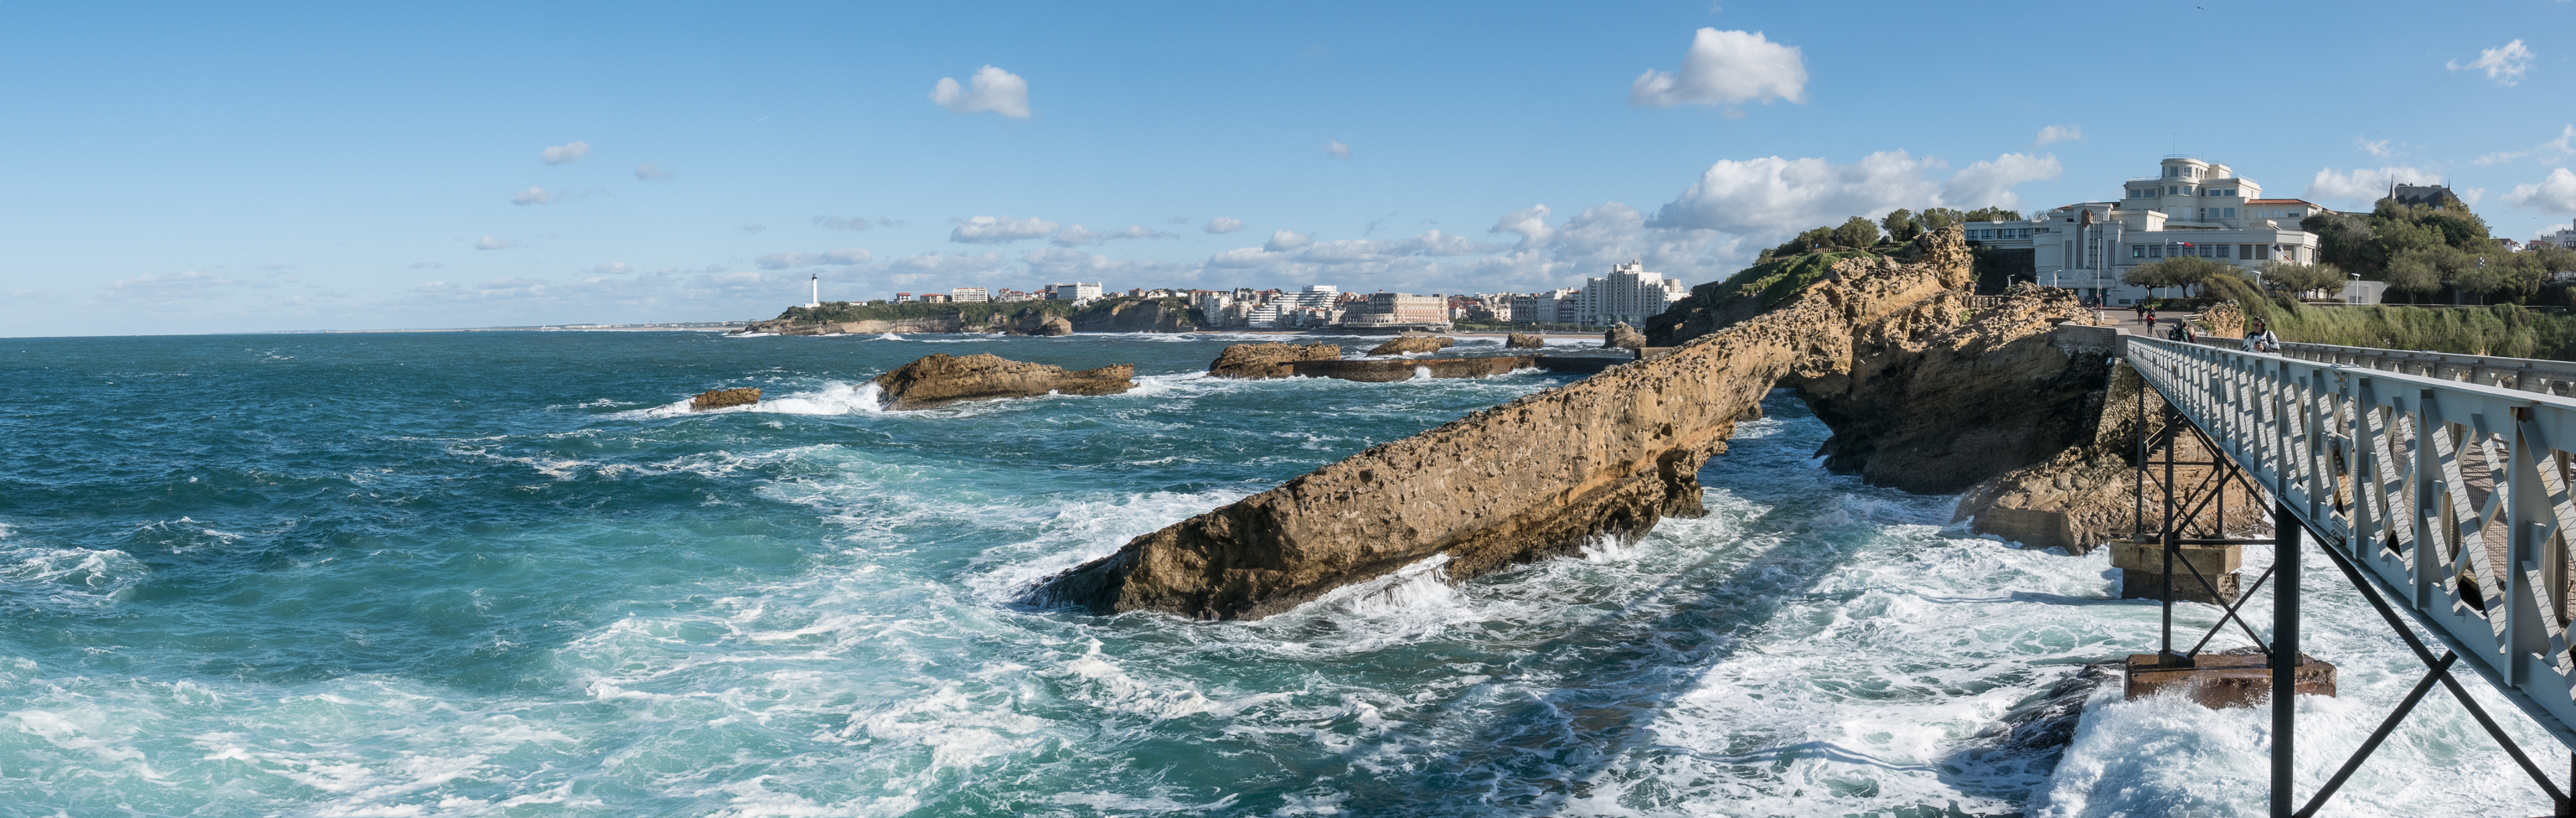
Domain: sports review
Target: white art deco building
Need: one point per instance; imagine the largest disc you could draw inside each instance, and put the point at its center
(2189, 208)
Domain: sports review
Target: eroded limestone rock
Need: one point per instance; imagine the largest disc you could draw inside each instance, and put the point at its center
(1523, 340)
(943, 379)
(1255, 361)
(1623, 337)
(1407, 344)
(721, 398)
(1609, 455)
(1053, 325)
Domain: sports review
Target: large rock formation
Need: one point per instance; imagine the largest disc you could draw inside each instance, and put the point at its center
(1255, 361)
(2088, 493)
(1623, 337)
(943, 379)
(721, 398)
(1053, 325)
(1523, 340)
(1621, 450)
(1409, 344)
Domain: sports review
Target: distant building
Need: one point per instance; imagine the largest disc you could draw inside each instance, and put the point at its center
(1388, 310)
(933, 298)
(1629, 295)
(902, 297)
(1550, 307)
(2563, 238)
(968, 295)
(2421, 195)
(1077, 291)
(2190, 208)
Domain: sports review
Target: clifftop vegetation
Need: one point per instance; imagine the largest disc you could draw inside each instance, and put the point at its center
(2421, 251)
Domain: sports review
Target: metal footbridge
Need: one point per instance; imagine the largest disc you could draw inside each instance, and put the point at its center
(2439, 485)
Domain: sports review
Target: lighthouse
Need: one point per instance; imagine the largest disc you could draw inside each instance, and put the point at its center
(817, 297)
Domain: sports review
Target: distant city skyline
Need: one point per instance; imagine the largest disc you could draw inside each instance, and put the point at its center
(204, 169)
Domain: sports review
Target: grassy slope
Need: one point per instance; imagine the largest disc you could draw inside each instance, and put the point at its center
(2504, 330)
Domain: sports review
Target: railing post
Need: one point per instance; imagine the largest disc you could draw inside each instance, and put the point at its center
(2286, 532)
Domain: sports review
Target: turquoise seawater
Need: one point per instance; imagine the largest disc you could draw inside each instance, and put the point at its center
(469, 574)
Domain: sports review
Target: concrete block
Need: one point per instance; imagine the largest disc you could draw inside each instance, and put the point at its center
(2142, 567)
(2224, 680)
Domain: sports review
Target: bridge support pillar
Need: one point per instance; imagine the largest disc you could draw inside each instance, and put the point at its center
(2142, 570)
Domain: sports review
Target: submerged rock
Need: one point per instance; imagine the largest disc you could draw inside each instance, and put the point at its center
(2049, 719)
(1407, 344)
(943, 379)
(1609, 455)
(1523, 340)
(721, 398)
(1255, 361)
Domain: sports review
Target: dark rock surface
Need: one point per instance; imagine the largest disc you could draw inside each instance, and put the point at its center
(1255, 361)
(943, 379)
(1523, 340)
(1409, 344)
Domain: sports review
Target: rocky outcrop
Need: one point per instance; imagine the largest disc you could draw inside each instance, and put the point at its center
(2087, 494)
(1623, 337)
(1023, 318)
(1255, 361)
(1523, 340)
(1622, 450)
(944, 379)
(721, 398)
(1410, 344)
(1053, 325)
(1390, 371)
(2225, 319)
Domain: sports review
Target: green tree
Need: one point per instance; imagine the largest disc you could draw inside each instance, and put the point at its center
(1900, 225)
(2414, 274)
(1992, 214)
(1935, 218)
(2294, 277)
(2180, 271)
(1856, 232)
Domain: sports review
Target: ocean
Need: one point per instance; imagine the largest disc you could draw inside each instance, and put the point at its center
(507, 574)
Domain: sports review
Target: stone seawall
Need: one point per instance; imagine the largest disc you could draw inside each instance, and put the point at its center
(1607, 456)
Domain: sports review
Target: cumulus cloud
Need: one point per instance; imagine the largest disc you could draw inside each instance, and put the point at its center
(2550, 151)
(991, 230)
(1726, 68)
(1075, 236)
(537, 195)
(990, 89)
(490, 243)
(1075, 265)
(649, 172)
(1282, 241)
(1990, 182)
(560, 154)
(2555, 194)
(838, 223)
(2504, 64)
(1530, 223)
(950, 264)
(1335, 149)
(2060, 133)
(1300, 250)
(1772, 196)
(2367, 184)
(1221, 225)
(613, 268)
(835, 258)
(2379, 149)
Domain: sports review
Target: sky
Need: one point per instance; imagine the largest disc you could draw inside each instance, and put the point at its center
(207, 168)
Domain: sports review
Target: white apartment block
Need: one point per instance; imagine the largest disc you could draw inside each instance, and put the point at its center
(1077, 291)
(2563, 238)
(1629, 295)
(968, 295)
(2190, 208)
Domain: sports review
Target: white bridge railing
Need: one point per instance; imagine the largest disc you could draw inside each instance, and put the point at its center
(2455, 495)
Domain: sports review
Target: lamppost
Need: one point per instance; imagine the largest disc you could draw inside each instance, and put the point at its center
(2353, 295)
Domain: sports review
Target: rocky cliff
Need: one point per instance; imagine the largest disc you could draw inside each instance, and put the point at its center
(1023, 318)
(1257, 361)
(944, 379)
(1622, 450)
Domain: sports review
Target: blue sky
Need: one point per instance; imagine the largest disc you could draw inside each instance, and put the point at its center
(191, 168)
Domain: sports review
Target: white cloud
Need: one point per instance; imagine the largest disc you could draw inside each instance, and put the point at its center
(1335, 149)
(2060, 133)
(560, 154)
(1990, 182)
(2504, 64)
(838, 223)
(1726, 68)
(1222, 225)
(2550, 151)
(490, 243)
(990, 89)
(2555, 194)
(613, 268)
(1282, 241)
(837, 258)
(1075, 236)
(2379, 149)
(537, 195)
(2366, 184)
(1075, 265)
(149, 285)
(649, 172)
(1774, 197)
(1530, 223)
(990, 230)
(952, 264)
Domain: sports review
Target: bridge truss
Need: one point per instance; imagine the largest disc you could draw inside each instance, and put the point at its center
(2447, 500)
